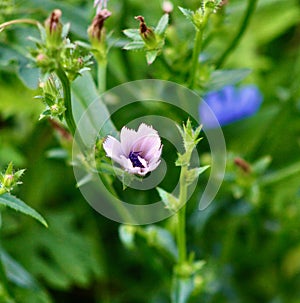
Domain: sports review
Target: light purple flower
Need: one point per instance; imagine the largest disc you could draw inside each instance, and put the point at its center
(100, 4)
(138, 152)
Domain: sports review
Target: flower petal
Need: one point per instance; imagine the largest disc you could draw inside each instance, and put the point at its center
(153, 166)
(127, 137)
(145, 130)
(112, 148)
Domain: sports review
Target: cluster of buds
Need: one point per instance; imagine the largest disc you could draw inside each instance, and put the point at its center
(53, 99)
(10, 179)
(54, 50)
(200, 17)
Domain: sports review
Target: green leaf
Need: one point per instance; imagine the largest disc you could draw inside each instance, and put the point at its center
(162, 25)
(65, 254)
(187, 13)
(29, 75)
(127, 234)
(261, 164)
(151, 56)
(168, 199)
(16, 273)
(133, 33)
(221, 78)
(182, 289)
(134, 45)
(84, 93)
(18, 205)
(162, 239)
(194, 173)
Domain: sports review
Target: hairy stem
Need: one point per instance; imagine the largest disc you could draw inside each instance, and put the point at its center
(17, 21)
(195, 57)
(101, 76)
(181, 217)
(67, 98)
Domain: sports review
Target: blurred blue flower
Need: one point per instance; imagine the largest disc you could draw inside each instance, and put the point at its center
(229, 104)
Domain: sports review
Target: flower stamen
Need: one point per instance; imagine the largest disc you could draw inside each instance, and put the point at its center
(134, 158)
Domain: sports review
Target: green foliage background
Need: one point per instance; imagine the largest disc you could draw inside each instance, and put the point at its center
(251, 245)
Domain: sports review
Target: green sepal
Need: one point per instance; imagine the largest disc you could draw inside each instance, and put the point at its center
(189, 14)
(151, 56)
(193, 174)
(135, 45)
(170, 201)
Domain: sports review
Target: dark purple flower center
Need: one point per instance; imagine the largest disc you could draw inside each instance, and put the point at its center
(133, 156)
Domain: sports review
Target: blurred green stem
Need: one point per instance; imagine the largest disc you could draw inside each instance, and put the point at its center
(17, 21)
(245, 22)
(281, 174)
(195, 57)
(181, 236)
(101, 76)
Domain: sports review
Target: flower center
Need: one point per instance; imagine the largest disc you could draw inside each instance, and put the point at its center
(133, 156)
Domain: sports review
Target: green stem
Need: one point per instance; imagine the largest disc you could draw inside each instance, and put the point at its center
(67, 97)
(195, 57)
(284, 173)
(101, 76)
(245, 22)
(17, 21)
(181, 236)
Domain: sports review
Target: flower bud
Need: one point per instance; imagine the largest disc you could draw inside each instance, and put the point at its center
(167, 7)
(147, 33)
(8, 181)
(53, 29)
(96, 33)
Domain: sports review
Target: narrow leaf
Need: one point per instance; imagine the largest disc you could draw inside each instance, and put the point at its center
(194, 173)
(162, 239)
(16, 273)
(126, 234)
(162, 24)
(182, 289)
(221, 78)
(187, 13)
(18, 205)
(135, 45)
(133, 33)
(151, 56)
(168, 199)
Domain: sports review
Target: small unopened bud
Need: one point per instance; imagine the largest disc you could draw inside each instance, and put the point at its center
(243, 164)
(224, 2)
(40, 57)
(146, 33)
(8, 181)
(42, 60)
(53, 22)
(54, 108)
(53, 28)
(95, 31)
(167, 7)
